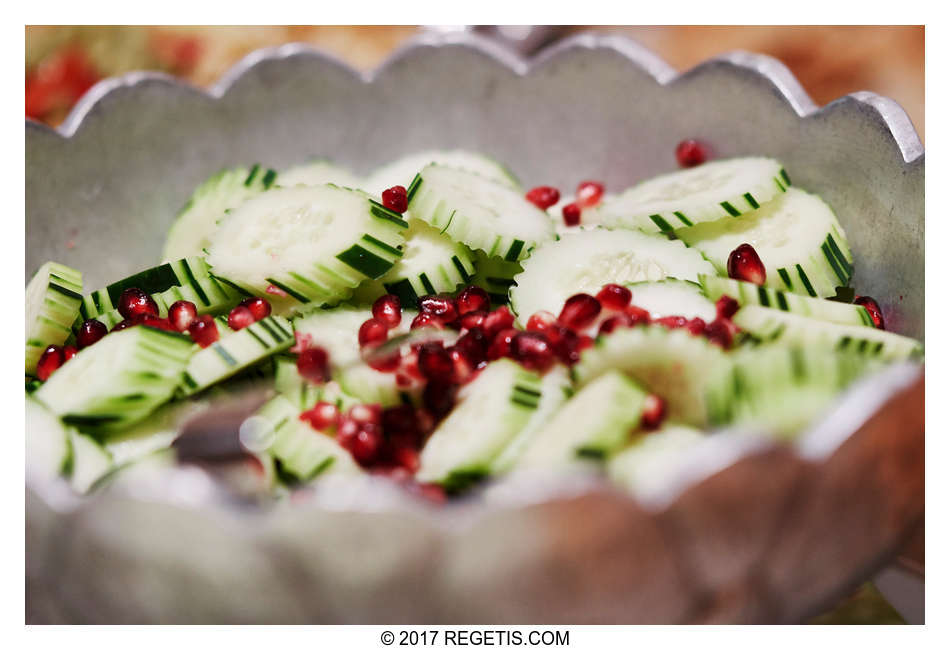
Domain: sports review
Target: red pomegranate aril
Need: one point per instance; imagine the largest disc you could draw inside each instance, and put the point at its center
(540, 321)
(313, 364)
(69, 352)
(654, 412)
(240, 317)
(158, 323)
(744, 264)
(690, 153)
(407, 458)
(608, 325)
(135, 302)
(323, 416)
(259, 307)
(501, 344)
(301, 342)
(720, 332)
(426, 320)
(435, 363)
(399, 422)
(472, 299)
(462, 366)
(571, 214)
(366, 444)
(203, 331)
(614, 296)
(565, 343)
(182, 314)
(274, 290)
(672, 322)
(90, 332)
(873, 309)
(440, 306)
(696, 326)
(50, 361)
(439, 397)
(543, 196)
(639, 315)
(346, 431)
(387, 310)
(589, 193)
(396, 199)
(472, 345)
(533, 351)
(496, 321)
(726, 306)
(472, 320)
(388, 362)
(580, 311)
(372, 332)
(366, 413)
(123, 324)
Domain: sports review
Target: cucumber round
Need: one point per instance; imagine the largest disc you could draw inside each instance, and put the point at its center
(672, 297)
(316, 244)
(478, 212)
(587, 260)
(318, 172)
(403, 170)
(712, 191)
(53, 297)
(797, 237)
(496, 276)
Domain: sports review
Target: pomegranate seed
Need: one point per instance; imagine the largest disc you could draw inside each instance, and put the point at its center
(540, 321)
(472, 299)
(472, 345)
(301, 342)
(572, 214)
(322, 416)
(720, 332)
(696, 326)
(726, 306)
(407, 458)
(366, 413)
(654, 412)
(472, 320)
(400, 425)
(240, 317)
(501, 345)
(121, 325)
(873, 309)
(462, 366)
(50, 361)
(258, 306)
(387, 310)
(90, 332)
(135, 302)
(313, 364)
(589, 193)
(439, 397)
(409, 365)
(744, 264)
(346, 431)
(396, 199)
(614, 296)
(69, 352)
(384, 362)
(440, 306)
(203, 331)
(671, 322)
(543, 196)
(274, 290)
(181, 314)
(612, 323)
(532, 350)
(435, 363)
(690, 153)
(426, 320)
(372, 332)
(366, 444)
(158, 323)
(566, 344)
(639, 315)
(580, 310)
(498, 320)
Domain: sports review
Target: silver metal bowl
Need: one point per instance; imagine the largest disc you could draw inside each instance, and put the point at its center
(746, 531)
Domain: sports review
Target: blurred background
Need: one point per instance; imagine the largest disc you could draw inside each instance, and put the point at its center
(62, 62)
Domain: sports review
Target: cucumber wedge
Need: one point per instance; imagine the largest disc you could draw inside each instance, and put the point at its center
(642, 467)
(709, 192)
(318, 172)
(49, 450)
(496, 276)
(773, 325)
(403, 170)
(53, 297)
(478, 212)
(91, 461)
(672, 297)
(797, 237)
(315, 244)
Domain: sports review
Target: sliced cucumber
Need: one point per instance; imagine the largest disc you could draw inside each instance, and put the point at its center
(587, 260)
(316, 244)
(491, 411)
(797, 237)
(118, 381)
(643, 466)
(154, 434)
(304, 394)
(91, 461)
(49, 450)
(773, 325)
(595, 422)
(403, 170)
(672, 297)
(53, 297)
(747, 293)
(712, 191)
(496, 276)
(674, 364)
(478, 212)
(236, 350)
(192, 230)
(318, 172)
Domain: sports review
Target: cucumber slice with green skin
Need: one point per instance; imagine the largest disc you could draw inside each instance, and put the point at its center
(53, 297)
(302, 451)
(318, 172)
(118, 381)
(672, 297)
(478, 212)
(673, 364)
(403, 170)
(643, 466)
(585, 261)
(491, 410)
(154, 434)
(91, 461)
(496, 276)
(747, 293)
(773, 325)
(316, 244)
(595, 422)
(709, 192)
(48, 444)
(304, 394)
(236, 350)
(797, 237)
(192, 230)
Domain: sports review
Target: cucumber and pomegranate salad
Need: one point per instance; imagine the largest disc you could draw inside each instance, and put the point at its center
(438, 324)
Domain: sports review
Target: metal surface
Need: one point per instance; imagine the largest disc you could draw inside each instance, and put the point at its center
(824, 515)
